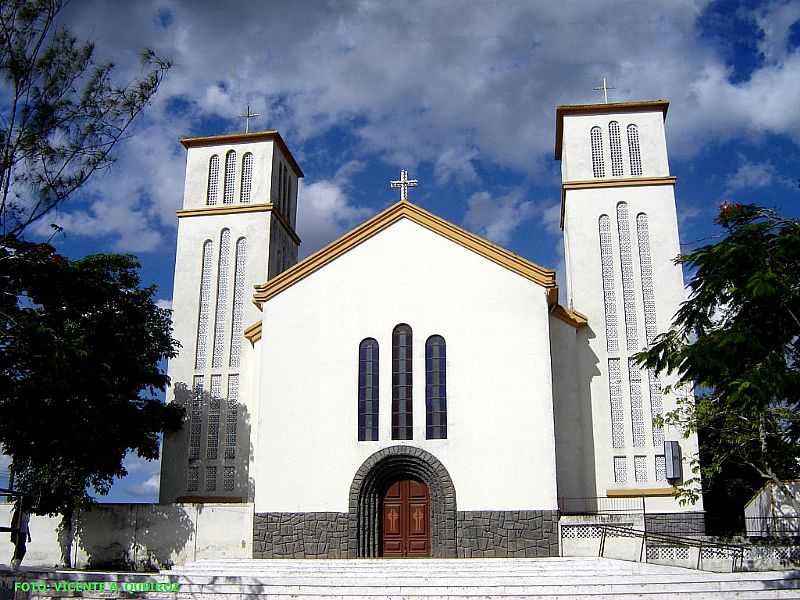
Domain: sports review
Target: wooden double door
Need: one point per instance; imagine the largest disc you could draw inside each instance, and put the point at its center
(406, 520)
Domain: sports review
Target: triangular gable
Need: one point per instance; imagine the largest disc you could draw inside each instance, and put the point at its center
(405, 210)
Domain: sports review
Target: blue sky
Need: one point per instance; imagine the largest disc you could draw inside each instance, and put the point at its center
(462, 94)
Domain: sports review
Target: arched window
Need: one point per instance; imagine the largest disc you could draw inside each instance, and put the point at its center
(598, 167)
(633, 148)
(368, 390)
(247, 177)
(218, 350)
(402, 422)
(230, 166)
(435, 389)
(205, 303)
(239, 292)
(609, 295)
(616, 149)
(213, 180)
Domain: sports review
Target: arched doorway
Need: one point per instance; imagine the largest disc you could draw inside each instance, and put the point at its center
(374, 479)
(406, 530)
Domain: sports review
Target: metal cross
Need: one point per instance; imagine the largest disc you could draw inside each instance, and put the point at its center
(604, 89)
(403, 183)
(247, 116)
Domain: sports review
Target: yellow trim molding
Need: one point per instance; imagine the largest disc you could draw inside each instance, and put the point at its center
(228, 209)
(599, 109)
(585, 184)
(253, 332)
(225, 209)
(235, 138)
(570, 317)
(404, 210)
(637, 492)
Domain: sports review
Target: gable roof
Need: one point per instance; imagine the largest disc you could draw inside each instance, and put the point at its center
(405, 210)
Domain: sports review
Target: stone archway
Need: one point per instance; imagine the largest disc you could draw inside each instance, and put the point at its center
(380, 469)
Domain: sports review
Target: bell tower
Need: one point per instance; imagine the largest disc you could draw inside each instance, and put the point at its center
(236, 228)
(620, 236)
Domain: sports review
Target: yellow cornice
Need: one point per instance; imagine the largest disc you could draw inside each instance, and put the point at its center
(638, 492)
(253, 332)
(570, 317)
(584, 184)
(403, 210)
(599, 109)
(229, 209)
(235, 138)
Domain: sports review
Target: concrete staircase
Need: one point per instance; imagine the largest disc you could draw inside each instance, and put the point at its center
(562, 578)
(422, 579)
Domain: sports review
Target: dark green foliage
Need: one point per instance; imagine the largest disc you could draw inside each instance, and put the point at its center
(737, 339)
(62, 115)
(79, 367)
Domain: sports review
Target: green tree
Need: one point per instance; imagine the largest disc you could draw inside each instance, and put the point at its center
(79, 372)
(737, 341)
(61, 113)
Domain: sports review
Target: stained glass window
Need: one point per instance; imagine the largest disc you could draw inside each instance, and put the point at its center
(368, 365)
(402, 416)
(435, 388)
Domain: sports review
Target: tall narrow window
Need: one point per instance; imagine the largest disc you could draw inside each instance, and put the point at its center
(626, 264)
(221, 311)
(637, 413)
(228, 474)
(247, 177)
(402, 422)
(616, 149)
(609, 297)
(633, 149)
(212, 438)
(615, 395)
(205, 302)
(656, 407)
(193, 483)
(211, 479)
(661, 467)
(435, 389)
(195, 417)
(239, 292)
(598, 167)
(620, 469)
(640, 468)
(288, 197)
(646, 269)
(368, 390)
(231, 416)
(230, 176)
(213, 180)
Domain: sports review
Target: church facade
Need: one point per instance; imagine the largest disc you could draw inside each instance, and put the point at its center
(412, 389)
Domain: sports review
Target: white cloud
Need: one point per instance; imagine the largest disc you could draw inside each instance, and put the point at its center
(147, 488)
(164, 303)
(447, 83)
(754, 175)
(497, 218)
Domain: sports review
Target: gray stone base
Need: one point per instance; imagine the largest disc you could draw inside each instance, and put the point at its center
(300, 535)
(511, 533)
(685, 523)
(479, 534)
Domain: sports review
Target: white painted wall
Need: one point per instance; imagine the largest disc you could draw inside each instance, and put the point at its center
(162, 534)
(576, 148)
(500, 450)
(197, 164)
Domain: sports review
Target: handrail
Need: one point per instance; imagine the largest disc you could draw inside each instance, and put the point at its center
(736, 550)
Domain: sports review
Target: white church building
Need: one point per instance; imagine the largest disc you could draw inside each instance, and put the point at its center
(413, 389)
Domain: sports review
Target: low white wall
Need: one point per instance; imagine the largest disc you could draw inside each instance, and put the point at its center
(141, 535)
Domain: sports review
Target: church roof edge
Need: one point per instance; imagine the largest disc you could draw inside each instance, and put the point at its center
(599, 109)
(234, 138)
(397, 211)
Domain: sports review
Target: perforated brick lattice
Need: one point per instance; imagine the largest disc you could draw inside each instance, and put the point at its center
(609, 296)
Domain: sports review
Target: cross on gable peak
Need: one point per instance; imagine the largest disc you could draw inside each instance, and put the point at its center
(403, 183)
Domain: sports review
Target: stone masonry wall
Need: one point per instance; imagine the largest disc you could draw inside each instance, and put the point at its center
(686, 523)
(514, 533)
(300, 535)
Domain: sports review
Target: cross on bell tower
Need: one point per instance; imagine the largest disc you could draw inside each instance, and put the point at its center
(403, 183)
(247, 116)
